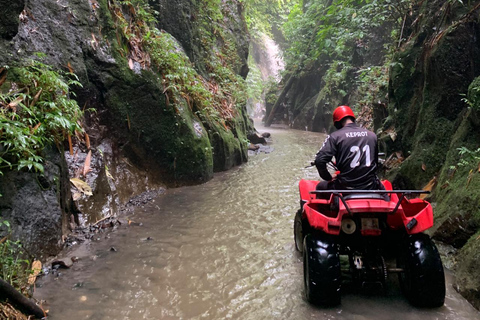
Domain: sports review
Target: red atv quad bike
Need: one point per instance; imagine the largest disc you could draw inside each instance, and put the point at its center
(370, 227)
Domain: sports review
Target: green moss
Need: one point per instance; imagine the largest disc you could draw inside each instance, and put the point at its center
(403, 107)
(466, 276)
(168, 133)
(459, 186)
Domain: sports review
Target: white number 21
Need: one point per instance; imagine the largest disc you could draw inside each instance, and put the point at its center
(356, 160)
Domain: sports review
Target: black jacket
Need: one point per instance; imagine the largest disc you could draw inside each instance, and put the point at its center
(356, 154)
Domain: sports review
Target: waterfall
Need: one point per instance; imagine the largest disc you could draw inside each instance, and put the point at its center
(266, 64)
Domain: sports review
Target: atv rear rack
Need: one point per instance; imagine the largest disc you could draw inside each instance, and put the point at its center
(367, 194)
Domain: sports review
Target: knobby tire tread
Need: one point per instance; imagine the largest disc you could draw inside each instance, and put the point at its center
(423, 282)
(322, 263)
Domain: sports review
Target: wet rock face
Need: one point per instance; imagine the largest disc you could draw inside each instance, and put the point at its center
(9, 13)
(36, 205)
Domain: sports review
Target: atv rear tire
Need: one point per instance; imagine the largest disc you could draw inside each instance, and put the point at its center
(298, 233)
(423, 281)
(321, 270)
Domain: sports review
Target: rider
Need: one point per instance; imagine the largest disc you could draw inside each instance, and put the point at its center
(356, 154)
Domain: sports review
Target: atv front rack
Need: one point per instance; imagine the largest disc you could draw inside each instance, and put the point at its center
(369, 194)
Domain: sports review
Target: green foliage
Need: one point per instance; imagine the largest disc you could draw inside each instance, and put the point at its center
(264, 15)
(215, 97)
(473, 96)
(35, 112)
(336, 81)
(468, 158)
(271, 89)
(349, 43)
(255, 84)
(371, 81)
(14, 268)
(330, 30)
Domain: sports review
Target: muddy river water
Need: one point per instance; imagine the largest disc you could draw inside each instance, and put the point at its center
(221, 250)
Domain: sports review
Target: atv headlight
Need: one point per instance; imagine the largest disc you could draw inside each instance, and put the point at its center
(348, 226)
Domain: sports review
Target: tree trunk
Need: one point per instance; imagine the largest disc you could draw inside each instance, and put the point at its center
(7, 292)
(279, 100)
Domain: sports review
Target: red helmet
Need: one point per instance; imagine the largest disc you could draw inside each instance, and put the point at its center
(342, 112)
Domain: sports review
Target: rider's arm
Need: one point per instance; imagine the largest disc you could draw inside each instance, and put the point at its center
(324, 156)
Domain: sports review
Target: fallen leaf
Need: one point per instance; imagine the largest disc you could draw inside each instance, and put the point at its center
(3, 239)
(82, 186)
(78, 134)
(36, 268)
(3, 76)
(70, 144)
(35, 128)
(70, 68)
(424, 167)
(429, 187)
(86, 166)
(15, 102)
(130, 63)
(76, 196)
(470, 176)
(94, 42)
(87, 141)
(35, 99)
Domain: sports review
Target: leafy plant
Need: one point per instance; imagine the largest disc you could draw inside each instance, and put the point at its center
(264, 16)
(13, 265)
(468, 158)
(36, 111)
(371, 81)
(255, 84)
(472, 98)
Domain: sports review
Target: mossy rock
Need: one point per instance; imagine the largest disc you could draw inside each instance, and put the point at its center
(157, 134)
(467, 279)
(458, 189)
(426, 104)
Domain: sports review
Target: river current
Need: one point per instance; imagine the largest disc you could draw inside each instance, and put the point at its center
(221, 250)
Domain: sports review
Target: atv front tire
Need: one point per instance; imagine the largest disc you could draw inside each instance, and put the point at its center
(298, 233)
(423, 279)
(321, 270)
